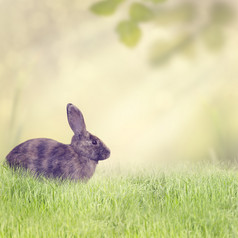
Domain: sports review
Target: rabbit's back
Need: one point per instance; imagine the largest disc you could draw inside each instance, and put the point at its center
(50, 158)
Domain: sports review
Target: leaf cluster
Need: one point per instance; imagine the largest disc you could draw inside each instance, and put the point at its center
(187, 15)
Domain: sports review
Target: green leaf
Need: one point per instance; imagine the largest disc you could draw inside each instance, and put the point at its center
(105, 8)
(139, 12)
(129, 33)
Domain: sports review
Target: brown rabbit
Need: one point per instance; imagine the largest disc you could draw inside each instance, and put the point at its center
(76, 161)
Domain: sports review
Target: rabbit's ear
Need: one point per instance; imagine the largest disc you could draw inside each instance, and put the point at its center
(75, 119)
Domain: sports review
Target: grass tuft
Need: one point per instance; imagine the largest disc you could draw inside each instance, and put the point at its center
(198, 202)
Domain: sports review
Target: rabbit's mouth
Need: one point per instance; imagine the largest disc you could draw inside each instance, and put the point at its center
(108, 153)
(105, 154)
(102, 156)
(96, 161)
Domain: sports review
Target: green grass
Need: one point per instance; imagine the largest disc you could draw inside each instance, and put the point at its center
(200, 202)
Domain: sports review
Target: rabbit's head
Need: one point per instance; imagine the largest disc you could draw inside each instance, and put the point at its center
(84, 143)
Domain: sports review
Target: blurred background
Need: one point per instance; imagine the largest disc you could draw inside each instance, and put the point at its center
(156, 80)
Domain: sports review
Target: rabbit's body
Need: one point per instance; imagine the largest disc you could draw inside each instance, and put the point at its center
(50, 158)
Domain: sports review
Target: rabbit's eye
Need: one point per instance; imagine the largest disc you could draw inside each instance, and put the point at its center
(94, 142)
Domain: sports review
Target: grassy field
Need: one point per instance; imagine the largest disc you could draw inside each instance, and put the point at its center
(197, 202)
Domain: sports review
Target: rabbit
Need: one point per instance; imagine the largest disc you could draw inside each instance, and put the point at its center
(52, 159)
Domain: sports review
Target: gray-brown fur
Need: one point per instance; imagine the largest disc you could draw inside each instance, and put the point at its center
(76, 161)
